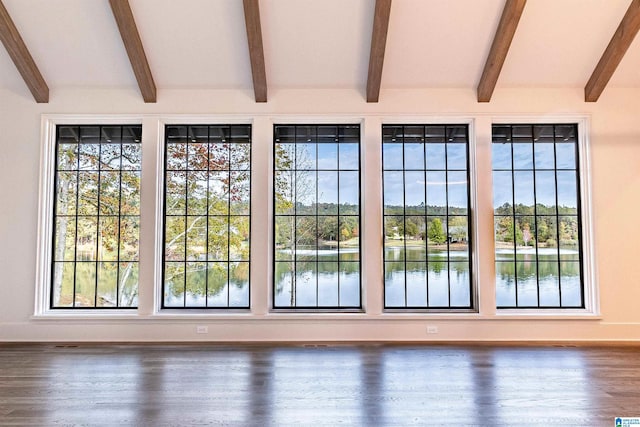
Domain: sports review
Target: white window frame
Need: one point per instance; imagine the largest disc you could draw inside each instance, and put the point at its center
(590, 283)
(46, 211)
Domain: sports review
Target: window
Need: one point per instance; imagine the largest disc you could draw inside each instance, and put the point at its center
(316, 186)
(427, 261)
(96, 217)
(537, 215)
(207, 216)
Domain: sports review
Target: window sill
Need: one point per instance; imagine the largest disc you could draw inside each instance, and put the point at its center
(246, 316)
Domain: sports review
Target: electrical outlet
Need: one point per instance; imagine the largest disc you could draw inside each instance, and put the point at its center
(432, 329)
(200, 329)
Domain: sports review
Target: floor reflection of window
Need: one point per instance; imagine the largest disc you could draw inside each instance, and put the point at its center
(207, 216)
(427, 261)
(537, 216)
(316, 186)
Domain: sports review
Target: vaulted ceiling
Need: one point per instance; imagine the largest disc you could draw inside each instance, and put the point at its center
(265, 45)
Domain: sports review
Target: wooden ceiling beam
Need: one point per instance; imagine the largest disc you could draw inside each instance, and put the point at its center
(613, 54)
(378, 44)
(256, 50)
(499, 48)
(21, 57)
(132, 43)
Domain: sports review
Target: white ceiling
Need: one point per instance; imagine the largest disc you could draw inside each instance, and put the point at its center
(317, 43)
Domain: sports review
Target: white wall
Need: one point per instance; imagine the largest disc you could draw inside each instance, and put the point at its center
(615, 176)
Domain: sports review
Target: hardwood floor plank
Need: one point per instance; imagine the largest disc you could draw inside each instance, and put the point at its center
(317, 386)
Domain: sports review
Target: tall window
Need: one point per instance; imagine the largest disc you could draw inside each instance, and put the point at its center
(537, 216)
(317, 216)
(96, 217)
(207, 216)
(427, 262)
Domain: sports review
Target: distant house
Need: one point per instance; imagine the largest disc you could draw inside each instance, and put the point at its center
(457, 234)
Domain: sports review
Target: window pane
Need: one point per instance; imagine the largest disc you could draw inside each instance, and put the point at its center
(317, 223)
(501, 156)
(174, 282)
(128, 284)
(523, 192)
(570, 285)
(66, 193)
(502, 193)
(566, 153)
(426, 222)
(132, 156)
(541, 232)
(546, 192)
(107, 284)
(392, 156)
(567, 192)
(239, 284)
(414, 189)
(456, 156)
(327, 287)
(176, 156)
(436, 192)
(327, 184)
(522, 156)
(196, 284)
(349, 156)
(108, 233)
(416, 276)
(89, 157)
(549, 283)
(197, 192)
(207, 216)
(349, 193)
(197, 238)
(65, 239)
(435, 156)
(176, 193)
(63, 284)
(457, 188)
(130, 193)
(217, 284)
(218, 193)
(239, 238)
(88, 193)
(327, 157)
(544, 156)
(219, 157)
(414, 156)
(217, 237)
(239, 193)
(240, 156)
(393, 192)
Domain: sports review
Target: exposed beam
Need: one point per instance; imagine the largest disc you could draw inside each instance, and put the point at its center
(256, 51)
(499, 48)
(614, 53)
(21, 57)
(378, 44)
(135, 51)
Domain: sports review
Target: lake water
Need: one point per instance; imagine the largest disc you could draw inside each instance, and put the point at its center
(541, 279)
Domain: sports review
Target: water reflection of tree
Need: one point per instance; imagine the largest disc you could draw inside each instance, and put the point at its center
(527, 268)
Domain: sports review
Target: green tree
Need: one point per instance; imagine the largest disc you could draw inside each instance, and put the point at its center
(435, 232)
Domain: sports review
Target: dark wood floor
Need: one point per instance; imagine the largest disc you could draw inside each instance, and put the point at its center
(367, 385)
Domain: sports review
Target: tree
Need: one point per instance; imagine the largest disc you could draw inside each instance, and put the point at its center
(435, 232)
